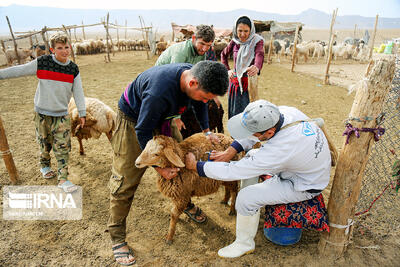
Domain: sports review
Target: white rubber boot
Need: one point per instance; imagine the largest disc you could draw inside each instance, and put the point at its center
(246, 229)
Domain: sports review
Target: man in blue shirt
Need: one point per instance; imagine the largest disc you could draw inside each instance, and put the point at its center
(146, 107)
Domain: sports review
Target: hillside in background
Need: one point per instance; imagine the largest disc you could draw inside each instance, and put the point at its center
(24, 18)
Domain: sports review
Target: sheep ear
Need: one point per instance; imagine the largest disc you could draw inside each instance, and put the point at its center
(173, 157)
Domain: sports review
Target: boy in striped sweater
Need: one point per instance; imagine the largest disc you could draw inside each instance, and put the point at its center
(59, 79)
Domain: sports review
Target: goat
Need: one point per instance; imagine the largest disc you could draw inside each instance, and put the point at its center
(165, 152)
(100, 118)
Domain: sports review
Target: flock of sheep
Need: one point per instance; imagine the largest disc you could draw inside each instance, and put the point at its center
(165, 151)
(348, 49)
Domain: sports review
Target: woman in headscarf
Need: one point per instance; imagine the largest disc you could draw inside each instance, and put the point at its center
(248, 57)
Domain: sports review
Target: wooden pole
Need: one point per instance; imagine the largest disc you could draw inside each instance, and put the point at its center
(269, 61)
(37, 41)
(76, 39)
(253, 88)
(31, 41)
(355, 28)
(7, 156)
(126, 25)
(83, 31)
(294, 47)
(173, 32)
(329, 56)
(70, 44)
(46, 43)
(118, 44)
(332, 23)
(107, 35)
(145, 36)
(371, 49)
(3, 47)
(15, 43)
(353, 158)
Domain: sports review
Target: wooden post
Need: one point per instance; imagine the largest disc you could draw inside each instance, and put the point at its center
(46, 43)
(15, 43)
(83, 31)
(118, 44)
(253, 88)
(31, 41)
(329, 56)
(145, 36)
(70, 43)
(76, 39)
(126, 25)
(332, 23)
(371, 49)
(7, 156)
(173, 32)
(37, 41)
(294, 46)
(3, 47)
(107, 35)
(353, 158)
(355, 28)
(269, 61)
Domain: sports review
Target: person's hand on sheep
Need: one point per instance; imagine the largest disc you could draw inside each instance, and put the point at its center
(224, 156)
(190, 161)
(211, 136)
(167, 173)
(179, 123)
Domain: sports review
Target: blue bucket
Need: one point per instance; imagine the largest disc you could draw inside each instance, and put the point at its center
(283, 236)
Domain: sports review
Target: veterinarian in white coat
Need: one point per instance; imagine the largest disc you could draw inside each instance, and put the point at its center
(297, 156)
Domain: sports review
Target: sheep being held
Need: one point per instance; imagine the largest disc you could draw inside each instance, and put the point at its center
(100, 118)
(163, 151)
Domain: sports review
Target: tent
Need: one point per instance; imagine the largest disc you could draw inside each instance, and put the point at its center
(279, 30)
(188, 30)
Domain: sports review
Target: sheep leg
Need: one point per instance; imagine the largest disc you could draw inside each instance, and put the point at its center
(233, 194)
(175, 212)
(227, 196)
(81, 146)
(109, 135)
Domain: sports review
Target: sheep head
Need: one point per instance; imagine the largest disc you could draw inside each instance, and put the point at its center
(161, 151)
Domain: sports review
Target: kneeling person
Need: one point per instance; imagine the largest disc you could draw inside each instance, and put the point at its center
(297, 156)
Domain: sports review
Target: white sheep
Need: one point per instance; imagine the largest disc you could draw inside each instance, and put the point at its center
(163, 151)
(100, 118)
(23, 55)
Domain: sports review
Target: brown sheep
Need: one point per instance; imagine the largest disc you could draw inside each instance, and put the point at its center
(165, 152)
(160, 47)
(100, 118)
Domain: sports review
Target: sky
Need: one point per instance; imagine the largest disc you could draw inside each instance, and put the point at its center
(366, 8)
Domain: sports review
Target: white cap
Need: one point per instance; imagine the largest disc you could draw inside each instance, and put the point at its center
(258, 116)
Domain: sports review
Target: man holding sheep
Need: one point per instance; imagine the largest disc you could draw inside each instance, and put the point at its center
(146, 107)
(297, 156)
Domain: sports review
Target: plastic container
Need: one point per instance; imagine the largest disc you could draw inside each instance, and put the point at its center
(283, 236)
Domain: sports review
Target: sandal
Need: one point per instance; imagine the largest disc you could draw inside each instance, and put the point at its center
(67, 186)
(197, 213)
(47, 173)
(125, 254)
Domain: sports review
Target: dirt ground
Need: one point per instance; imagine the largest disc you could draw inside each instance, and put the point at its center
(85, 242)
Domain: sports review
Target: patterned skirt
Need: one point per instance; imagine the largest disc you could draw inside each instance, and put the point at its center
(237, 101)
